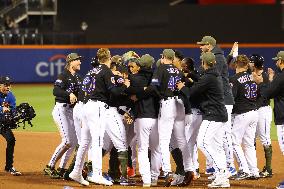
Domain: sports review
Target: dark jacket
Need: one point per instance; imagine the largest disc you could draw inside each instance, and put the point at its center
(147, 105)
(222, 67)
(210, 88)
(276, 90)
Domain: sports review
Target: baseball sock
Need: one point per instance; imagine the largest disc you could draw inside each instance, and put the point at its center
(268, 156)
(123, 158)
(113, 164)
(177, 156)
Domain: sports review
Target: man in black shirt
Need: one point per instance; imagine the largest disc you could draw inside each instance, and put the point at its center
(275, 90)
(65, 90)
(264, 114)
(209, 44)
(172, 112)
(98, 86)
(210, 137)
(245, 92)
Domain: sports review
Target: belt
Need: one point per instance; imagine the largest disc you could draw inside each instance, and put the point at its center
(66, 105)
(105, 104)
(169, 98)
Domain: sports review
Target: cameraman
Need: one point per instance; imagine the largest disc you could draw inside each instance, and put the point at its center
(7, 104)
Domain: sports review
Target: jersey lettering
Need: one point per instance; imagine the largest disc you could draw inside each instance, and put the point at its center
(251, 91)
(245, 78)
(173, 70)
(173, 82)
(89, 84)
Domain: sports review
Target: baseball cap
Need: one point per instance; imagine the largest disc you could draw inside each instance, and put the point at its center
(280, 55)
(117, 59)
(207, 40)
(5, 80)
(208, 58)
(169, 54)
(146, 61)
(158, 63)
(72, 56)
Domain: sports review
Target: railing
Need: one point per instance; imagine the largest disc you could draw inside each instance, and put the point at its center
(7, 9)
(33, 36)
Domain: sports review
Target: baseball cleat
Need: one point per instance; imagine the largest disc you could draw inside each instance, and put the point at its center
(220, 182)
(178, 179)
(168, 180)
(99, 180)
(108, 177)
(130, 172)
(210, 171)
(265, 173)
(253, 177)
(154, 182)
(232, 171)
(187, 178)
(196, 174)
(146, 185)
(280, 185)
(14, 172)
(240, 175)
(50, 171)
(78, 178)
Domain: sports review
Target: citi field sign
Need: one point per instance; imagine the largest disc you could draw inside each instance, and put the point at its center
(52, 67)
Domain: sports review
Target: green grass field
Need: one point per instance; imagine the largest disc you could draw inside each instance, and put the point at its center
(41, 98)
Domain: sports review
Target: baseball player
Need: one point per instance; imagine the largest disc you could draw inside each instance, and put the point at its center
(172, 113)
(115, 128)
(275, 90)
(264, 115)
(191, 130)
(146, 125)
(208, 44)
(210, 136)
(99, 85)
(245, 92)
(8, 104)
(65, 92)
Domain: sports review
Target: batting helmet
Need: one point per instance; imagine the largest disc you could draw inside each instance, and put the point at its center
(257, 59)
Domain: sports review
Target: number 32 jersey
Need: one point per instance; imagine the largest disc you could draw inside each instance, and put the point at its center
(245, 92)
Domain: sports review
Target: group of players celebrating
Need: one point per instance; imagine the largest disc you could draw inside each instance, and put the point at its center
(163, 108)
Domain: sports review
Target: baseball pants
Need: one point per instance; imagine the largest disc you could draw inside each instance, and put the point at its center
(116, 129)
(191, 133)
(243, 134)
(264, 125)
(148, 138)
(280, 134)
(63, 116)
(228, 146)
(93, 129)
(210, 142)
(171, 120)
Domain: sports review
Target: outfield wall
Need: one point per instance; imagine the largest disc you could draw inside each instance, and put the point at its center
(42, 64)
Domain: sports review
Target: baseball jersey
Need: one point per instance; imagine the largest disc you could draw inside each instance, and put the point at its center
(66, 84)
(99, 83)
(245, 92)
(262, 100)
(165, 79)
